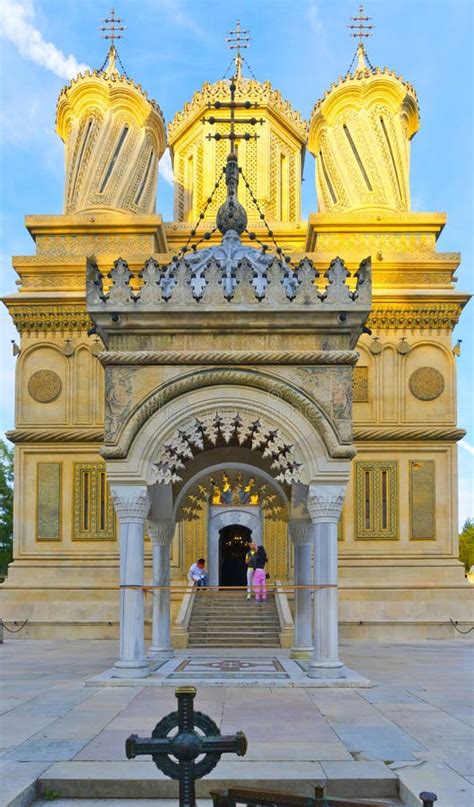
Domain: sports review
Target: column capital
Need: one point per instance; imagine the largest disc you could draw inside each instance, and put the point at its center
(301, 532)
(131, 503)
(324, 503)
(160, 530)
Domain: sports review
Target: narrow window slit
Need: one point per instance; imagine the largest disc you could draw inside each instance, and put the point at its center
(367, 500)
(114, 158)
(85, 501)
(144, 180)
(382, 123)
(384, 500)
(357, 157)
(102, 501)
(326, 177)
(81, 154)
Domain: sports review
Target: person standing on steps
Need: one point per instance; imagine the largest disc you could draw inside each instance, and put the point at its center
(249, 562)
(259, 576)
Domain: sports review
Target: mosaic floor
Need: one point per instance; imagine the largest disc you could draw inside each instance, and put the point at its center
(229, 668)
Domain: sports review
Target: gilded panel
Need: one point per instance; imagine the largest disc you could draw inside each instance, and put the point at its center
(93, 511)
(422, 499)
(360, 385)
(376, 499)
(275, 541)
(48, 501)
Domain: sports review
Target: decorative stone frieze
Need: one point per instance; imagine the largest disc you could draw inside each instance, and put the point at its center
(324, 503)
(213, 357)
(56, 435)
(131, 503)
(50, 318)
(425, 316)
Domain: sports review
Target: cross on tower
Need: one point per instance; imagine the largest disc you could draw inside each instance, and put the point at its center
(113, 27)
(238, 40)
(359, 27)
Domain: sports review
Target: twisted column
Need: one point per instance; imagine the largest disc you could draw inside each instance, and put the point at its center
(302, 536)
(131, 503)
(161, 533)
(324, 504)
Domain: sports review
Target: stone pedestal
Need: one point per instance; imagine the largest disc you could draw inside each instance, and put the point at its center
(131, 504)
(161, 534)
(324, 506)
(302, 537)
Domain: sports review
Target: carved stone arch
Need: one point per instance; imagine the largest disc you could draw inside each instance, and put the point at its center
(251, 381)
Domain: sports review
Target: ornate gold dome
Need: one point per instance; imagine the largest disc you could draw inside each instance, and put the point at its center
(278, 152)
(114, 136)
(359, 133)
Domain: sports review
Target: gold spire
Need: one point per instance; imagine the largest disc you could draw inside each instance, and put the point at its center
(238, 40)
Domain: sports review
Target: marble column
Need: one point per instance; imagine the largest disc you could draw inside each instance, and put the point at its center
(161, 533)
(324, 505)
(302, 537)
(131, 504)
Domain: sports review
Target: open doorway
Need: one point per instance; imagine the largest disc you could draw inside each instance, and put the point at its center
(234, 542)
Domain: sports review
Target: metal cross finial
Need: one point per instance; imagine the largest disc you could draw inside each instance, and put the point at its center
(186, 745)
(238, 40)
(113, 27)
(359, 27)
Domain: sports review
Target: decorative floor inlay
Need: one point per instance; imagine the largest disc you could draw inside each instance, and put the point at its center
(223, 668)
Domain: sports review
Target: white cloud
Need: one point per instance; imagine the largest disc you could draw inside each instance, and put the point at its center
(466, 446)
(314, 18)
(166, 169)
(16, 26)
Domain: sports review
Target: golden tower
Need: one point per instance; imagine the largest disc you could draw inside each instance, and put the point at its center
(114, 136)
(360, 133)
(272, 163)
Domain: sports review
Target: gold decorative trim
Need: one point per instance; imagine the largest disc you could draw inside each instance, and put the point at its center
(448, 433)
(200, 379)
(379, 502)
(56, 435)
(422, 500)
(423, 316)
(46, 318)
(360, 385)
(211, 357)
(92, 530)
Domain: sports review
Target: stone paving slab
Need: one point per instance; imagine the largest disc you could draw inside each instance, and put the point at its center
(452, 790)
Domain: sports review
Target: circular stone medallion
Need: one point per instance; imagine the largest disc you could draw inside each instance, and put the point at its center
(44, 386)
(426, 383)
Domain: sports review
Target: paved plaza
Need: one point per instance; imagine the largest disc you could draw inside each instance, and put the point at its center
(411, 731)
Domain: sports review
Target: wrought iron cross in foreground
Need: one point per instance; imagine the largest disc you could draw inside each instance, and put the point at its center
(186, 745)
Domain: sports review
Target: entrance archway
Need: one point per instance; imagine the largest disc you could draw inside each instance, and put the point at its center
(234, 541)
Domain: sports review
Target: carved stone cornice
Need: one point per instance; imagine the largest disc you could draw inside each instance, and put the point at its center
(446, 433)
(431, 316)
(56, 435)
(324, 503)
(161, 531)
(212, 357)
(46, 317)
(211, 377)
(132, 504)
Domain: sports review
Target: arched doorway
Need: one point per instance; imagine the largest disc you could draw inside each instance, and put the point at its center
(234, 541)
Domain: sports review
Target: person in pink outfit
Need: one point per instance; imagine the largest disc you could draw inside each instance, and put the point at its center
(259, 577)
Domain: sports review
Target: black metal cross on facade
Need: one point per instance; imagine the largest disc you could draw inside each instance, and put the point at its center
(186, 745)
(359, 26)
(113, 28)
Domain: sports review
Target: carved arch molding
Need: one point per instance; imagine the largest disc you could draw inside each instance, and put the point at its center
(119, 445)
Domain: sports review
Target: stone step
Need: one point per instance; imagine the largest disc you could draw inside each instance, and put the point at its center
(140, 779)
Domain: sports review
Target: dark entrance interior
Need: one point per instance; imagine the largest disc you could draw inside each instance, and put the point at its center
(233, 545)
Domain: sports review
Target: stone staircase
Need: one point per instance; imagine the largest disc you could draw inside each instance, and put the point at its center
(227, 619)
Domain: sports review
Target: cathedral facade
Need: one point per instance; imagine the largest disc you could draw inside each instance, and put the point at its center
(237, 373)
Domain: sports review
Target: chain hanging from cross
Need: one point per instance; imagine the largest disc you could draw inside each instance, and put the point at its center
(359, 26)
(113, 28)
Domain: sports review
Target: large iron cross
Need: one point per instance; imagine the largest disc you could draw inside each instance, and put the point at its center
(186, 745)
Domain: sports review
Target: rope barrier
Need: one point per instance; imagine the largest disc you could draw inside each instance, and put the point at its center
(10, 630)
(464, 632)
(212, 589)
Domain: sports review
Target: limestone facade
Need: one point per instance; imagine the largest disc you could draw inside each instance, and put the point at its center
(386, 427)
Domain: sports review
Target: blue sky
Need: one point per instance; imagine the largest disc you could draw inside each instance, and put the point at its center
(172, 46)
